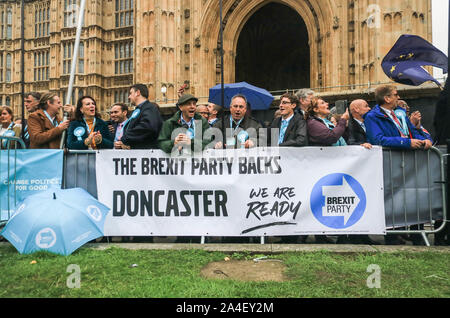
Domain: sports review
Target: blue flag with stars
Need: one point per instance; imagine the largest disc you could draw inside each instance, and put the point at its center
(404, 62)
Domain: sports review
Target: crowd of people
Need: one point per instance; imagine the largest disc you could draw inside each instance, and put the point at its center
(302, 119)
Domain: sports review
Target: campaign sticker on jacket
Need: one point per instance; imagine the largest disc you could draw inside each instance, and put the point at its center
(135, 113)
(79, 132)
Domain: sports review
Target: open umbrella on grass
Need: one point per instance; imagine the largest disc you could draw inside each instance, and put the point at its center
(56, 220)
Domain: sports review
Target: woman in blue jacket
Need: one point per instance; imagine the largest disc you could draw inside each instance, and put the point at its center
(88, 130)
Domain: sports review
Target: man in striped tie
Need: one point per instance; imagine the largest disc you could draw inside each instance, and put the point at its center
(31, 102)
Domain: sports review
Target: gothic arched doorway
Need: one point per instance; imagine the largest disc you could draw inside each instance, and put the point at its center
(272, 50)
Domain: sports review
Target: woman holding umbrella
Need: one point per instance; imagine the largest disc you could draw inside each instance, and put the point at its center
(8, 127)
(88, 130)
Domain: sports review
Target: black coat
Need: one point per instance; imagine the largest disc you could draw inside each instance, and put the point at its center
(296, 133)
(142, 131)
(442, 117)
(245, 124)
(356, 134)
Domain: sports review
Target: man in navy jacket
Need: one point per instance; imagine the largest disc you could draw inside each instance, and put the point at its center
(389, 126)
(142, 129)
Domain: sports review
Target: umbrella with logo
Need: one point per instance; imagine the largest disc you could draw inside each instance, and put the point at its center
(56, 220)
(259, 98)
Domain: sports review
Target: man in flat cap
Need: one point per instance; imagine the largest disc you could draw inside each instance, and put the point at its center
(184, 131)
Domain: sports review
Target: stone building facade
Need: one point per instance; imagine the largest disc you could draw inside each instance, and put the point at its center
(328, 45)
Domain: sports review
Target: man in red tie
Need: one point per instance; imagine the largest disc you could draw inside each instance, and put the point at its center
(388, 125)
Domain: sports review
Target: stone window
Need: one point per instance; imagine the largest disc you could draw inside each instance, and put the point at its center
(121, 96)
(124, 13)
(72, 98)
(70, 13)
(6, 24)
(8, 68)
(67, 57)
(41, 66)
(42, 21)
(123, 56)
(1, 68)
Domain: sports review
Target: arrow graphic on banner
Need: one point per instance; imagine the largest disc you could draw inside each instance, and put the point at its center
(340, 200)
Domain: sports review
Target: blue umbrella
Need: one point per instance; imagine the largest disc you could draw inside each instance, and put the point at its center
(56, 220)
(258, 98)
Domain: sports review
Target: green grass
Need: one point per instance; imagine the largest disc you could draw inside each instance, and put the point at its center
(162, 273)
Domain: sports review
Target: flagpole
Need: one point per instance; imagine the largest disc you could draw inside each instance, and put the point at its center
(222, 89)
(22, 66)
(80, 21)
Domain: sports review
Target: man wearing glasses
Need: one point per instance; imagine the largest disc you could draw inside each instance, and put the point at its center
(241, 131)
(292, 126)
(203, 111)
(389, 126)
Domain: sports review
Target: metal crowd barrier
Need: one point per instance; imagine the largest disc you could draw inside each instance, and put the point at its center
(414, 187)
(414, 191)
(9, 146)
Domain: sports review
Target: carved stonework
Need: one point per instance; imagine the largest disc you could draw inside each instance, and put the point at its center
(177, 42)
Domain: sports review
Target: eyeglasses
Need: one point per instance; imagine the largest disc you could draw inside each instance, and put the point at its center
(285, 103)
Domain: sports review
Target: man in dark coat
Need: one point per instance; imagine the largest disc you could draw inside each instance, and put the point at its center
(356, 128)
(239, 129)
(442, 117)
(442, 126)
(142, 130)
(31, 103)
(292, 126)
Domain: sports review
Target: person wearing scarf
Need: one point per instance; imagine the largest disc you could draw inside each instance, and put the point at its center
(8, 128)
(88, 130)
(321, 132)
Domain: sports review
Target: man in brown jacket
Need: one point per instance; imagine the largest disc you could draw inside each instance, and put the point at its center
(44, 125)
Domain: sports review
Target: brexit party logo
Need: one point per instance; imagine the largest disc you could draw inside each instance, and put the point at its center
(46, 238)
(338, 201)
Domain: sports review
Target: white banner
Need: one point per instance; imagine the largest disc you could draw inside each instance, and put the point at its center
(244, 192)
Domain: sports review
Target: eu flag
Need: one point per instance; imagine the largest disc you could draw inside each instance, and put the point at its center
(403, 64)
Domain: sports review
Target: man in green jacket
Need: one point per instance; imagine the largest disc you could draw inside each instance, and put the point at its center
(184, 131)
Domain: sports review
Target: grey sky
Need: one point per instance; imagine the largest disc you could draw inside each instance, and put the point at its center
(439, 11)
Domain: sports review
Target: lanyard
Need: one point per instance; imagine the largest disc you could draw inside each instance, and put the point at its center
(401, 116)
(191, 125)
(87, 126)
(51, 120)
(237, 125)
